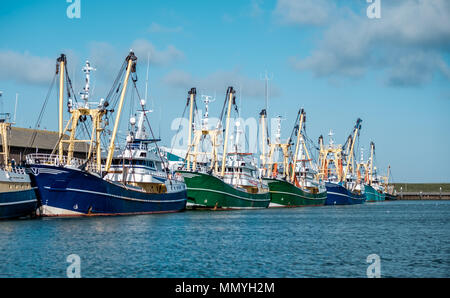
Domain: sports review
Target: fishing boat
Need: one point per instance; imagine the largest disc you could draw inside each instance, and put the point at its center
(232, 183)
(389, 192)
(390, 197)
(292, 182)
(17, 196)
(373, 189)
(378, 186)
(336, 168)
(102, 185)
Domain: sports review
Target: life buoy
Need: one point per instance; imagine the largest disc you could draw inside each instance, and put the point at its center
(275, 170)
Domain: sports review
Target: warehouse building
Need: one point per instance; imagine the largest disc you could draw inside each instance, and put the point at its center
(24, 141)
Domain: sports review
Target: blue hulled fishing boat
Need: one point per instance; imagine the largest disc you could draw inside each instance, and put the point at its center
(337, 194)
(17, 196)
(134, 180)
(336, 168)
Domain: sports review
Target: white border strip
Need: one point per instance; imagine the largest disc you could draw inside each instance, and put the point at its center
(293, 194)
(16, 203)
(116, 196)
(228, 194)
(340, 194)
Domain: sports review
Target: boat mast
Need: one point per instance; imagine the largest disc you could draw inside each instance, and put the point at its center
(350, 157)
(203, 132)
(15, 108)
(192, 94)
(230, 93)
(388, 173)
(297, 145)
(372, 149)
(284, 148)
(263, 116)
(62, 61)
(79, 111)
(386, 183)
(146, 77)
(85, 93)
(4, 128)
(131, 67)
(322, 160)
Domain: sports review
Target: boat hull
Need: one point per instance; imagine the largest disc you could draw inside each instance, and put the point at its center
(71, 192)
(389, 197)
(17, 197)
(372, 195)
(285, 194)
(339, 195)
(17, 204)
(209, 192)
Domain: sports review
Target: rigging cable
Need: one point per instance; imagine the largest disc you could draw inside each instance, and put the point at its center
(38, 122)
(166, 169)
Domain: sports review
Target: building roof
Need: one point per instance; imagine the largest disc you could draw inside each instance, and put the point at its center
(45, 140)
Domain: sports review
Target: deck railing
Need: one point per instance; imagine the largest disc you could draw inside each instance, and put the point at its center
(55, 160)
(13, 169)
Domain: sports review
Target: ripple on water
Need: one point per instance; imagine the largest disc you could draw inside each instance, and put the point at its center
(412, 239)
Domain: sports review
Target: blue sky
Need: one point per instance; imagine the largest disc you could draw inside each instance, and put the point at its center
(325, 56)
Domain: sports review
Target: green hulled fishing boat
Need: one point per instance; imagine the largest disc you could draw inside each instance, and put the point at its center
(293, 182)
(372, 195)
(208, 191)
(389, 192)
(373, 188)
(232, 184)
(285, 194)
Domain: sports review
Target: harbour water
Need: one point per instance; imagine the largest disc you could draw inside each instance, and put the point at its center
(412, 239)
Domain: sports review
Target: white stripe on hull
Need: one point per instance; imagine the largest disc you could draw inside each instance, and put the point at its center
(17, 203)
(297, 195)
(340, 194)
(228, 194)
(115, 196)
(238, 208)
(193, 205)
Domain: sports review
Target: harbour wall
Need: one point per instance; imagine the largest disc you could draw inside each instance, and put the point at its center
(423, 196)
(422, 191)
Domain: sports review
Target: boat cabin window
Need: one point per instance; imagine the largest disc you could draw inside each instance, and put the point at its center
(117, 161)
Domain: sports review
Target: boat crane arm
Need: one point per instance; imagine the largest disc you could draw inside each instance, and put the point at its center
(265, 139)
(61, 62)
(372, 153)
(299, 128)
(231, 100)
(192, 93)
(131, 67)
(356, 130)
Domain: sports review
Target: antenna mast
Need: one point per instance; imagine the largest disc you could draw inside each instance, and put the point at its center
(85, 93)
(15, 107)
(267, 78)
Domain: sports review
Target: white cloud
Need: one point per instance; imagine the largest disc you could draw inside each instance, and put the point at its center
(142, 48)
(26, 68)
(178, 79)
(219, 81)
(303, 12)
(255, 8)
(227, 18)
(408, 43)
(157, 28)
(108, 59)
